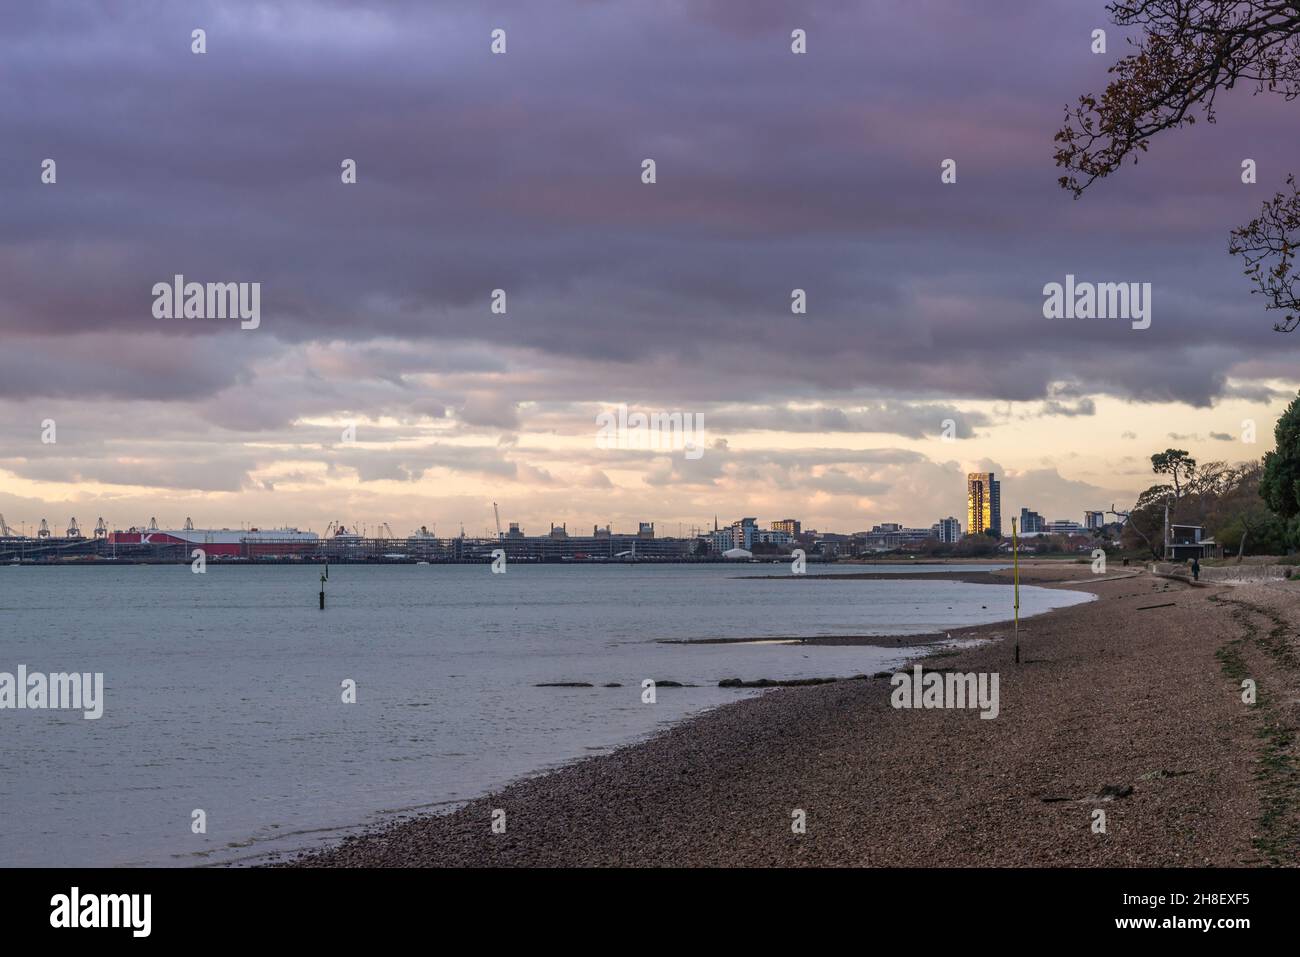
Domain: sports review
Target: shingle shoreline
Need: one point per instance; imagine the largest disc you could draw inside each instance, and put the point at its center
(1112, 708)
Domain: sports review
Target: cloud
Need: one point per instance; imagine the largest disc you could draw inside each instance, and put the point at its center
(912, 286)
(522, 173)
(1082, 407)
(891, 417)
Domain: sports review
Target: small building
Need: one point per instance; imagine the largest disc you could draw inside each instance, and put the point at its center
(1187, 542)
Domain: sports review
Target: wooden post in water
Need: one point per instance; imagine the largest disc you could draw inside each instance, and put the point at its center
(1015, 564)
(322, 591)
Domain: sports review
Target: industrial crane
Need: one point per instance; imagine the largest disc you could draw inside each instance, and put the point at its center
(44, 531)
(74, 531)
(5, 530)
(497, 512)
(101, 530)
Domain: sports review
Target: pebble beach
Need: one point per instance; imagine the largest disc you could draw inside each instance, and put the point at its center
(1130, 705)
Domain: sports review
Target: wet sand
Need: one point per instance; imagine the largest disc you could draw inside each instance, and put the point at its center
(1115, 706)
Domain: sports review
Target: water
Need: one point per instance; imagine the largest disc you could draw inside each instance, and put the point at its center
(222, 691)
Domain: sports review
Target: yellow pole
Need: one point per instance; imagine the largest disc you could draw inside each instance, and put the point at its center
(1015, 563)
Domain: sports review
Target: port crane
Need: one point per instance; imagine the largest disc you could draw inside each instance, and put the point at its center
(74, 530)
(44, 530)
(497, 512)
(101, 530)
(5, 530)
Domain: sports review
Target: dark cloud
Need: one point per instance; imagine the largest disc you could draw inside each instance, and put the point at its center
(910, 419)
(1082, 407)
(521, 172)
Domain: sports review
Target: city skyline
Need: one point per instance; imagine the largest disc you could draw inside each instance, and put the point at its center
(949, 527)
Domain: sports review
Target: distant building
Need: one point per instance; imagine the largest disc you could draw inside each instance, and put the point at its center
(774, 537)
(720, 540)
(830, 544)
(646, 530)
(948, 530)
(561, 531)
(1094, 521)
(788, 525)
(983, 503)
(891, 535)
(1030, 522)
(1063, 526)
(739, 534)
(745, 529)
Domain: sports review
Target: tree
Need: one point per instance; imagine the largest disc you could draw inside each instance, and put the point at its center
(1145, 521)
(973, 546)
(1178, 465)
(1238, 515)
(1279, 485)
(1189, 52)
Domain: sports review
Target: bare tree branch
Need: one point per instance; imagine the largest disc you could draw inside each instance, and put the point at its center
(1190, 50)
(1267, 244)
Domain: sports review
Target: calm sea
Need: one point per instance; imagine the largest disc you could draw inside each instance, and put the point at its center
(223, 690)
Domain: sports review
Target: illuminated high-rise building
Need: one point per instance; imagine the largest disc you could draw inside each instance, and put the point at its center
(983, 503)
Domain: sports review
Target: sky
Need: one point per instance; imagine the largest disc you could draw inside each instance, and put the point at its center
(380, 385)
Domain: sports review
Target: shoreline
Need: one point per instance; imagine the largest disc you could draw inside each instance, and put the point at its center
(1107, 698)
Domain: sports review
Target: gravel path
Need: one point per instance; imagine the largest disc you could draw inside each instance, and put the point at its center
(1107, 698)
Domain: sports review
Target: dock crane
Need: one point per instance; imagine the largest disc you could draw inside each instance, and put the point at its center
(189, 524)
(101, 530)
(497, 512)
(74, 530)
(44, 531)
(5, 530)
